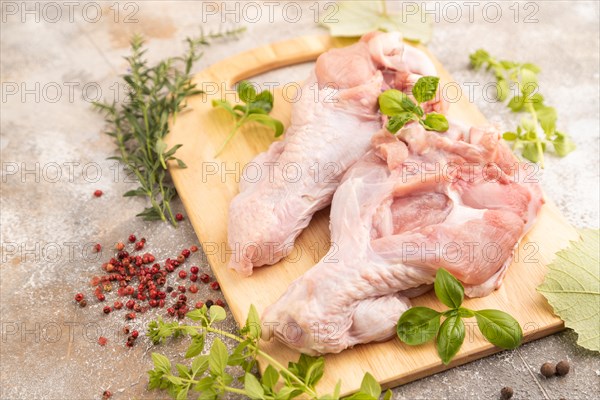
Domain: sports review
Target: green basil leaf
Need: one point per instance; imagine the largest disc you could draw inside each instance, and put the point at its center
(270, 377)
(563, 144)
(200, 364)
(267, 121)
(161, 363)
(448, 289)
(510, 136)
(224, 105)
(196, 346)
(253, 326)
(397, 122)
(465, 312)
(450, 338)
(246, 92)
(425, 88)
(370, 386)
(218, 356)
(516, 103)
(531, 152)
(547, 119)
(393, 102)
(502, 89)
(217, 313)
(388, 395)
(529, 82)
(418, 325)
(499, 328)
(531, 67)
(253, 387)
(435, 122)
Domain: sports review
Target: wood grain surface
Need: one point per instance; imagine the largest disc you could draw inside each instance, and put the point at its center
(207, 186)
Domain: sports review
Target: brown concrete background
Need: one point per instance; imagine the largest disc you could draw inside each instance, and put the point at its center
(48, 345)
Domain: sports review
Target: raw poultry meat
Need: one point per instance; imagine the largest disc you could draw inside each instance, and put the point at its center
(329, 131)
(416, 202)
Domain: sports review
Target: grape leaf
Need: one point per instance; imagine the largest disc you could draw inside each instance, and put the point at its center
(572, 287)
(355, 18)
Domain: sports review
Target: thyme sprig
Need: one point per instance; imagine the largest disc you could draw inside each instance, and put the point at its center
(140, 123)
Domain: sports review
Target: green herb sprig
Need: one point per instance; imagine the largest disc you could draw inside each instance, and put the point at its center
(256, 108)
(209, 375)
(401, 109)
(536, 132)
(420, 325)
(139, 124)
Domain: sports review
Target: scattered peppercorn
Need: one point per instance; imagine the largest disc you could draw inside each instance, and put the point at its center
(132, 238)
(130, 316)
(118, 305)
(119, 246)
(199, 304)
(179, 217)
(185, 252)
(182, 274)
(193, 289)
(98, 193)
(97, 247)
(101, 297)
(193, 277)
(209, 303)
(548, 369)
(194, 249)
(215, 285)
(106, 395)
(139, 245)
(204, 278)
(102, 341)
(79, 297)
(180, 259)
(82, 303)
(220, 303)
(506, 393)
(562, 368)
(107, 310)
(135, 334)
(194, 270)
(126, 330)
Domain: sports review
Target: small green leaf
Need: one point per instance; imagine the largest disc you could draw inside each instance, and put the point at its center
(197, 314)
(450, 338)
(388, 395)
(397, 122)
(499, 328)
(547, 119)
(425, 88)
(161, 363)
(218, 357)
(253, 388)
(315, 370)
(246, 92)
(200, 364)
(563, 144)
(531, 152)
(253, 324)
(465, 312)
(529, 82)
(370, 386)
(269, 121)
(448, 289)
(502, 89)
(418, 325)
(270, 377)
(435, 122)
(517, 103)
(160, 146)
(393, 102)
(196, 346)
(217, 314)
(509, 136)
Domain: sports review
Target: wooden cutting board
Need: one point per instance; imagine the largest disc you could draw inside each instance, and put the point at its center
(207, 186)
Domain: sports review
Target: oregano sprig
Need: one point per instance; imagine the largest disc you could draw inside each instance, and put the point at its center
(420, 325)
(140, 123)
(209, 374)
(401, 109)
(256, 107)
(536, 132)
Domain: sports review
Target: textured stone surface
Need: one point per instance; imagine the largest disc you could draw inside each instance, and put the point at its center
(49, 345)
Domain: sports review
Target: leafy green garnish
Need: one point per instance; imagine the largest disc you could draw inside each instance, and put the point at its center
(420, 325)
(139, 124)
(401, 109)
(527, 135)
(355, 18)
(210, 376)
(572, 287)
(256, 108)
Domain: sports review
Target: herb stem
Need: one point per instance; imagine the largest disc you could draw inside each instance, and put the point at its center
(538, 142)
(384, 11)
(230, 136)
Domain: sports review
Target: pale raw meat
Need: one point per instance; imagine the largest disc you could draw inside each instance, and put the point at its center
(330, 130)
(415, 203)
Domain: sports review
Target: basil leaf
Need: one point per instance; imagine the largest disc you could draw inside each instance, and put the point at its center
(161, 363)
(465, 312)
(450, 338)
(246, 92)
(435, 122)
(270, 377)
(531, 152)
(418, 325)
(253, 387)
(499, 328)
(393, 102)
(217, 313)
(547, 118)
(448, 289)
(267, 121)
(563, 144)
(502, 89)
(196, 346)
(510, 136)
(370, 386)
(516, 103)
(425, 88)
(397, 122)
(217, 359)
